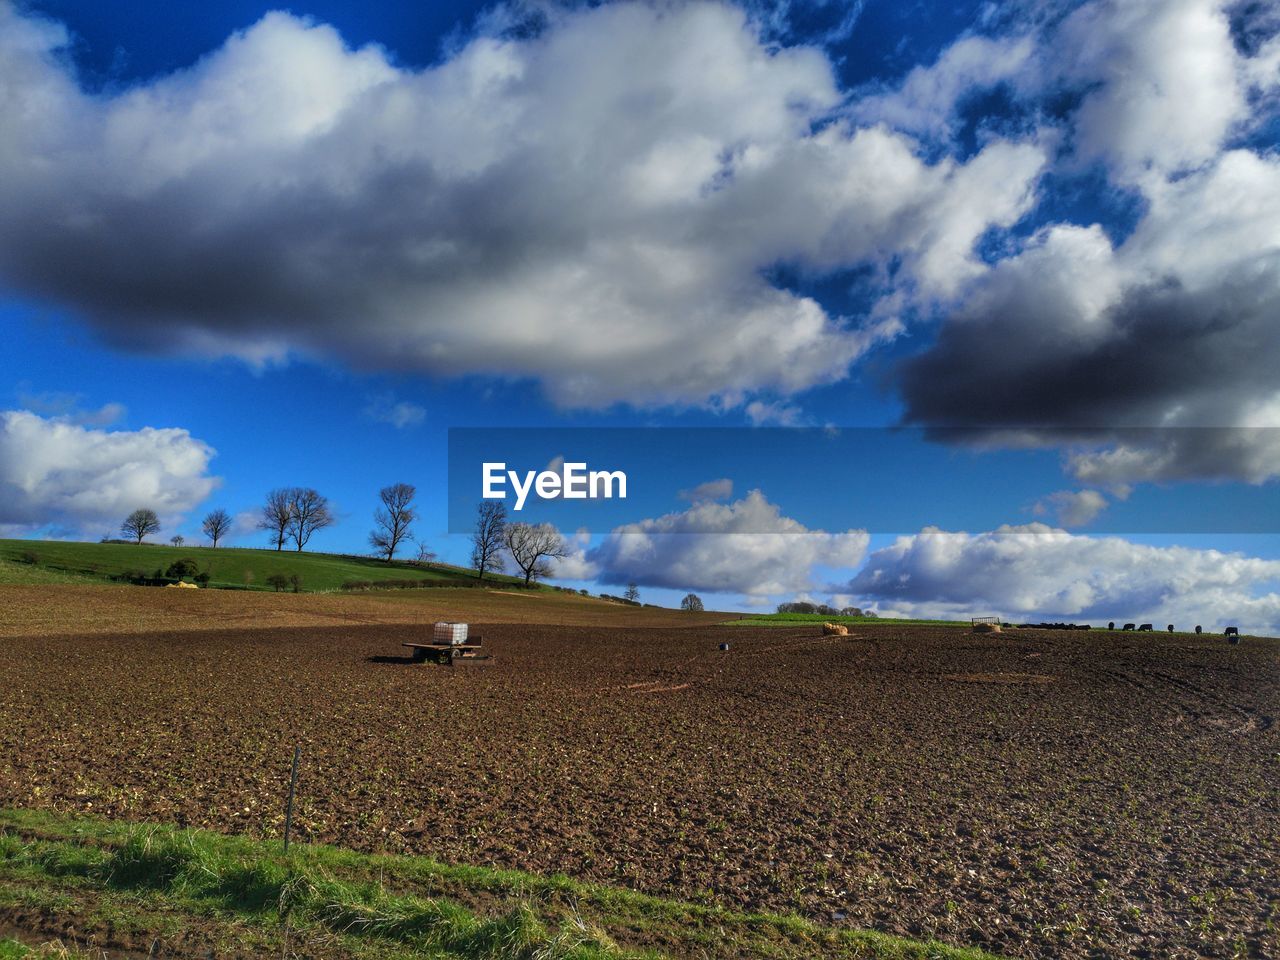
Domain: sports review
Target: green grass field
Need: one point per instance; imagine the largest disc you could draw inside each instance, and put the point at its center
(60, 561)
(12, 572)
(152, 882)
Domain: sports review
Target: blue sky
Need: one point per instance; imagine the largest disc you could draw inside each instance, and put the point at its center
(315, 242)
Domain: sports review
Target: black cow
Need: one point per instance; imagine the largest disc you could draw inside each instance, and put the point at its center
(1128, 626)
(1198, 630)
(1145, 626)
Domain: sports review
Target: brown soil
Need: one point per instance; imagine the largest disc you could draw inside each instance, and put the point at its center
(41, 610)
(1120, 800)
(79, 923)
(1011, 678)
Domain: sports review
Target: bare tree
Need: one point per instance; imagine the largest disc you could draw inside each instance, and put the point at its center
(177, 539)
(633, 593)
(486, 541)
(393, 518)
(216, 525)
(309, 513)
(425, 553)
(691, 602)
(140, 523)
(531, 546)
(276, 514)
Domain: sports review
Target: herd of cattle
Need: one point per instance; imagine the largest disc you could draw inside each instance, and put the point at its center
(1231, 633)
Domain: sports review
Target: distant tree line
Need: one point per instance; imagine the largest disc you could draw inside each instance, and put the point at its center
(804, 606)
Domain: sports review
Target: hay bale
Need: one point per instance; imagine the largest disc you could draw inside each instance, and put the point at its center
(834, 630)
(986, 628)
(182, 585)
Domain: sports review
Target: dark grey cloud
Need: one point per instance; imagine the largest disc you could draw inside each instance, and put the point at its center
(1154, 360)
(1161, 347)
(1169, 387)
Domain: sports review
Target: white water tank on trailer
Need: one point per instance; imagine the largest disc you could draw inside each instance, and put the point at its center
(451, 633)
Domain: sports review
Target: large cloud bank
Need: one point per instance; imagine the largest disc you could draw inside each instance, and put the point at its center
(750, 548)
(58, 475)
(594, 206)
(1038, 571)
(598, 204)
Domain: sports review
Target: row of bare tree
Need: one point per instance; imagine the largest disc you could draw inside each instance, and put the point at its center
(294, 514)
(290, 515)
(144, 521)
(531, 546)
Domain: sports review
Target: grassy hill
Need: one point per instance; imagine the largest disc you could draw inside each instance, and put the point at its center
(12, 572)
(57, 561)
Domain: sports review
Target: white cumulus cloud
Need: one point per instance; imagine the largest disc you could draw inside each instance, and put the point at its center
(925, 102)
(745, 547)
(1166, 84)
(58, 474)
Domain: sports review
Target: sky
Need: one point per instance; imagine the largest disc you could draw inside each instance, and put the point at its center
(931, 309)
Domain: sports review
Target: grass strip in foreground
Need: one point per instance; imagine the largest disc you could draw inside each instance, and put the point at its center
(50, 950)
(327, 902)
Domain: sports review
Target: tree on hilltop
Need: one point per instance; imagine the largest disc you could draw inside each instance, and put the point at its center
(140, 523)
(487, 539)
(532, 547)
(216, 525)
(393, 519)
(310, 512)
(276, 513)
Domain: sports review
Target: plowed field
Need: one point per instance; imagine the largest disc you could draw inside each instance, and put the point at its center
(1037, 794)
